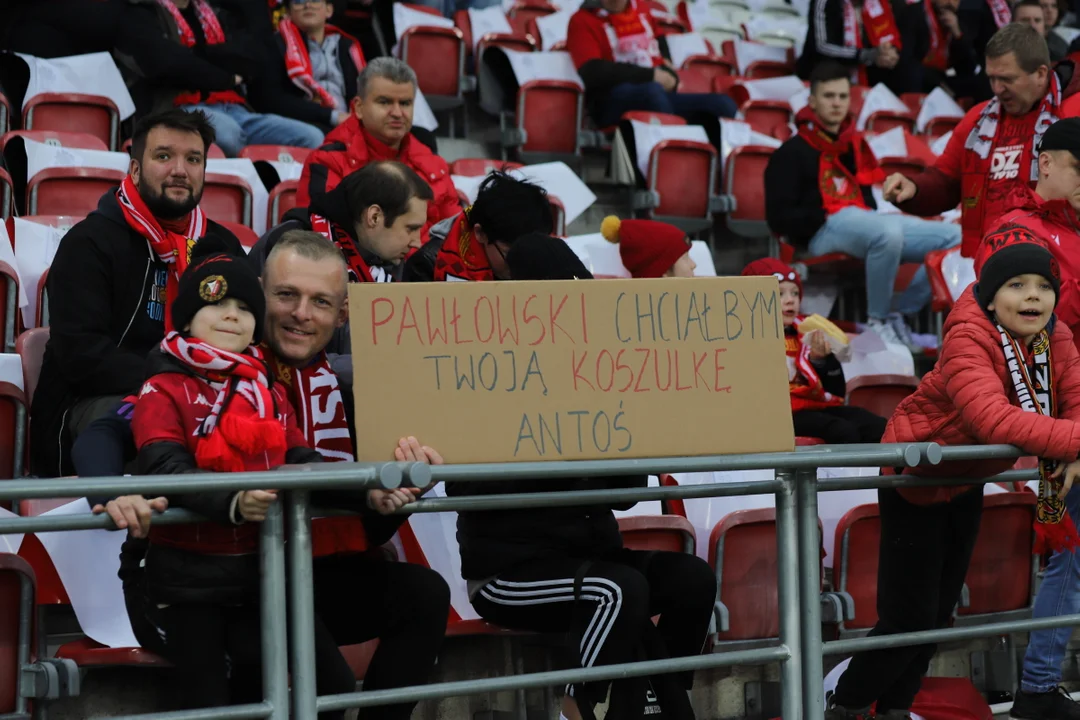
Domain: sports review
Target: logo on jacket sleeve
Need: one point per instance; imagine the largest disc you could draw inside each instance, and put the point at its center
(1005, 162)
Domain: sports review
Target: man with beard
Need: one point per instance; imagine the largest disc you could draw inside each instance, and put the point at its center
(111, 278)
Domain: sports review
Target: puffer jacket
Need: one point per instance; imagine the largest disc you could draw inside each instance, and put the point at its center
(968, 399)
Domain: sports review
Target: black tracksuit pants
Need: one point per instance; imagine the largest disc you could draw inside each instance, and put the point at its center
(843, 424)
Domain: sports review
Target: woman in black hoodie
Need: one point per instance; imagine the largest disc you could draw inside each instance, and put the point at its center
(565, 570)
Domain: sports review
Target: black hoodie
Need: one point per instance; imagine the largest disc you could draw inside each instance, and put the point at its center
(106, 312)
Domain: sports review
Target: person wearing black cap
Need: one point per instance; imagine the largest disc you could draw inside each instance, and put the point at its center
(1050, 211)
(537, 256)
(210, 404)
(1008, 373)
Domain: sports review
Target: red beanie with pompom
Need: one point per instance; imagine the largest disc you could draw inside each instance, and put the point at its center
(649, 248)
(771, 266)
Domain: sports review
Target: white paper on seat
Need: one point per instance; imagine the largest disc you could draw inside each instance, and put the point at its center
(35, 248)
(799, 100)
(685, 45)
(486, 21)
(527, 66)
(405, 18)
(747, 52)
(879, 98)
(562, 182)
(10, 543)
(244, 168)
(7, 254)
(11, 369)
(736, 133)
(792, 27)
(647, 136)
(93, 74)
(87, 563)
(1068, 34)
(939, 145)
(892, 143)
(937, 104)
(780, 88)
(958, 271)
(40, 156)
(469, 185)
(602, 257)
(290, 170)
(553, 28)
(423, 117)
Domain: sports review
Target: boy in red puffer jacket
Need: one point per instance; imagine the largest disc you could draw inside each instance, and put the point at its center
(1008, 373)
(815, 376)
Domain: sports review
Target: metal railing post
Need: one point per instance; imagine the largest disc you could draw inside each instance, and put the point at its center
(787, 567)
(301, 606)
(806, 507)
(275, 662)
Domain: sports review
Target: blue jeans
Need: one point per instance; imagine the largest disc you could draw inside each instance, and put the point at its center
(652, 97)
(1059, 594)
(237, 127)
(883, 242)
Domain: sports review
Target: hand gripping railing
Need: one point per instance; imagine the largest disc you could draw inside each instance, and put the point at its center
(795, 487)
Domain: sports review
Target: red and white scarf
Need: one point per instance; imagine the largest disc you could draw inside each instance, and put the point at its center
(359, 270)
(878, 22)
(804, 384)
(631, 37)
(938, 55)
(1001, 12)
(1054, 528)
(840, 188)
(243, 419)
(207, 21)
(298, 61)
(171, 248)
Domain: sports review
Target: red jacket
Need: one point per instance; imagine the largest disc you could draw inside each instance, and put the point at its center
(968, 399)
(170, 408)
(349, 147)
(1056, 222)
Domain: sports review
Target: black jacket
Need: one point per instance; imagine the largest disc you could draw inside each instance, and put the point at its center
(493, 541)
(420, 267)
(793, 204)
(103, 322)
(825, 39)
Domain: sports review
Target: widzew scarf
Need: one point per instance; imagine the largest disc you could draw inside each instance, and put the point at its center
(298, 61)
(320, 413)
(359, 270)
(987, 161)
(878, 22)
(213, 34)
(1001, 12)
(461, 257)
(938, 55)
(804, 384)
(631, 37)
(243, 419)
(840, 188)
(171, 248)
(1054, 528)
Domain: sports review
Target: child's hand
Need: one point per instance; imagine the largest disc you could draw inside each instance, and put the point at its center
(1071, 471)
(819, 346)
(253, 504)
(386, 502)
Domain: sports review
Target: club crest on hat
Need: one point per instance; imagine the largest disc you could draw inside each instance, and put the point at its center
(213, 288)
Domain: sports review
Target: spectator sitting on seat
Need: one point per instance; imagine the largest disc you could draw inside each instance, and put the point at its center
(818, 194)
(1008, 373)
(238, 52)
(473, 245)
(1058, 46)
(949, 49)
(649, 248)
(993, 147)
(374, 217)
(319, 66)
(379, 129)
(815, 376)
(565, 570)
(615, 48)
(1032, 12)
(111, 280)
(833, 34)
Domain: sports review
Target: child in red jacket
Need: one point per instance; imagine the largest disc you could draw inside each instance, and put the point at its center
(815, 377)
(1008, 373)
(209, 405)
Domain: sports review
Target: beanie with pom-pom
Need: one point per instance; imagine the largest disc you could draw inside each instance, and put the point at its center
(648, 248)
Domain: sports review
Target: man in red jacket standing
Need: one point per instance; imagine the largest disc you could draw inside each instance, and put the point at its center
(993, 149)
(379, 128)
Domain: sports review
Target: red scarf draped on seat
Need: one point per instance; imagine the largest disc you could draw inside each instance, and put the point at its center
(298, 60)
(840, 188)
(214, 35)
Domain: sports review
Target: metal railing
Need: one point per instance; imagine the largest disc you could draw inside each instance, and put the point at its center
(799, 650)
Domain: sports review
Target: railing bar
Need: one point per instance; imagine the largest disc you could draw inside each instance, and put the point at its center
(892, 481)
(233, 712)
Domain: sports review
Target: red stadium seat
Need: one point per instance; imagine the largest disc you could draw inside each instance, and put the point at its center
(80, 140)
(227, 198)
(675, 506)
(215, 152)
(885, 120)
(558, 216)
(855, 563)
(666, 533)
(359, 656)
(15, 575)
(282, 199)
(7, 194)
(940, 126)
(463, 23)
(74, 112)
(744, 177)
(1001, 576)
(7, 114)
(801, 441)
(533, 29)
(941, 300)
(88, 653)
(762, 69)
(914, 101)
(431, 52)
(653, 118)
(858, 97)
(547, 117)
(742, 550)
(41, 315)
(63, 222)
(31, 349)
(696, 79)
(522, 12)
(880, 394)
(769, 117)
(710, 66)
(507, 41)
(69, 190)
(275, 153)
(906, 165)
(475, 167)
(243, 233)
(682, 178)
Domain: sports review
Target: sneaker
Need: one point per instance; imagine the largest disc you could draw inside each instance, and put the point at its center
(1053, 705)
(903, 332)
(885, 331)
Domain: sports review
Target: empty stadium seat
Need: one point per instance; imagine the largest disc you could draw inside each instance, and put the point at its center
(69, 190)
(941, 300)
(667, 533)
(227, 198)
(215, 152)
(682, 180)
(885, 120)
(7, 114)
(1001, 576)
(243, 233)
(710, 66)
(81, 140)
(533, 29)
(9, 293)
(769, 117)
(522, 12)
(431, 52)
(909, 166)
(41, 315)
(696, 79)
(520, 42)
(31, 348)
(275, 153)
(940, 126)
(7, 194)
(762, 69)
(744, 178)
(547, 118)
(674, 506)
(855, 563)
(880, 394)
(282, 199)
(913, 100)
(475, 167)
(74, 112)
(17, 586)
(558, 216)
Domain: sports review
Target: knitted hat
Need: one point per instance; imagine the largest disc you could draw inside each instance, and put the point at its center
(648, 248)
(777, 268)
(212, 276)
(1062, 135)
(537, 256)
(1010, 251)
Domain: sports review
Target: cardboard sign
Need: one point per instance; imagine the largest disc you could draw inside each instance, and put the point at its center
(571, 370)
